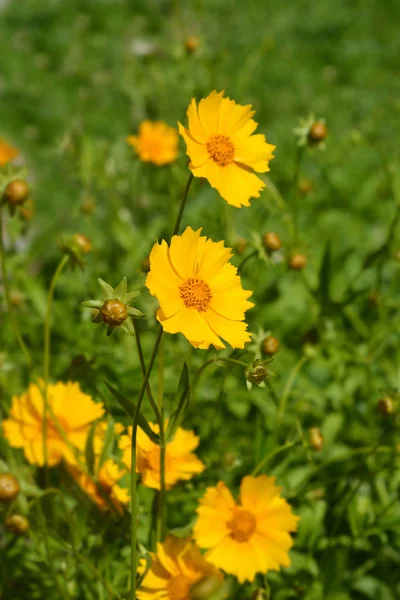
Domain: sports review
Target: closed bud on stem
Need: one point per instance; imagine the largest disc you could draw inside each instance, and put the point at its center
(87, 206)
(297, 262)
(17, 524)
(82, 242)
(318, 132)
(9, 487)
(271, 241)
(270, 345)
(256, 373)
(240, 246)
(386, 406)
(145, 266)
(114, 312)
(191, 44)
(305, 186)
(316, 439)
(16, 192)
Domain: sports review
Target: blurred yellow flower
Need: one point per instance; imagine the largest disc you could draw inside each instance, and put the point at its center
(176, 569)
(156, 143)
(7, 152)
(249, 537)
(180, 462)
(104, 488)
(222, 149)
(70, 415)
(199, 292)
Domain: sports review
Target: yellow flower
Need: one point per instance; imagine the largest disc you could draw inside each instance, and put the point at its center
(180, 462)
(103, 489)
(176, 569)
(222, 149)
(70, 415)
(156, 143)
(250, 537)
(199, 292)
(7, 152)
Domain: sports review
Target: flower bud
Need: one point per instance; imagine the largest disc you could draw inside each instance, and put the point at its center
(271, 241)
(297, 262)
(191, 44)
(316, 439)
(82, 242)
(240, 246)
(145, 266)
(16, 192)
(386, 406)
(17, 524)
(318, 132)
(9, 487)
(114, 312)
(87, 206)
(257, 373)
(270, 345)
(305, 186)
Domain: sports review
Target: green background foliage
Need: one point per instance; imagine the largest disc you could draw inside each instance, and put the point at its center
(76, 78)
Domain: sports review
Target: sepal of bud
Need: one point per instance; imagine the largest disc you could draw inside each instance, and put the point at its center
(114, 308)
(256, 373)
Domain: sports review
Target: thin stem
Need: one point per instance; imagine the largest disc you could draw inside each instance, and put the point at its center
(46, 358)
(182, 206)
(264, 461)
(289, 385)
(7, 295)
(246, 260)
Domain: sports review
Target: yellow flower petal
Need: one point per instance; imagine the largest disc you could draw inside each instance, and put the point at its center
(156, 143)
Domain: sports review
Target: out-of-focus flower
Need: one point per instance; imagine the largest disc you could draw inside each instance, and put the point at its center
(103, 488)
(7, 152)
(176, 569)
(248, 537)
(156, 143)
(221, 147)
(199, 291)
(180, 461)
(69, 417)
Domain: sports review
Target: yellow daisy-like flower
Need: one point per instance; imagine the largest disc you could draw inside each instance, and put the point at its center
(156, 143)
(104, 490)
(199, 292)
(222, 149)
(7, 152)
(176, 569)
(249, 537)
(180, 462)
(73, 413)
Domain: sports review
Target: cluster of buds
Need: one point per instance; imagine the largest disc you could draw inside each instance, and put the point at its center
(114, 309)
(311, 132)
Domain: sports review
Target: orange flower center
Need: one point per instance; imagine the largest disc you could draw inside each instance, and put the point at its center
(242, 525)
(221, 149)
(179, 588)
(195, 293)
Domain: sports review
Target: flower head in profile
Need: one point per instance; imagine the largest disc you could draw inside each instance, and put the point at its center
(103, 484)
(70, 415)
(180, 461)
(155, 143)
(221, 147)
(248, 537)
(199, 291)
(177, 568)
(7, 152)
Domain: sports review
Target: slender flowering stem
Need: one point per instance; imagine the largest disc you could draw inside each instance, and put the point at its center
(46, 356)
(7, 296)
(182, 206)
(246, 260)
(265, 460)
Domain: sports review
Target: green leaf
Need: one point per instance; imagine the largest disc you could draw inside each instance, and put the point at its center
(183, 399)
(129, 407)
(89, 449)
(108, 291)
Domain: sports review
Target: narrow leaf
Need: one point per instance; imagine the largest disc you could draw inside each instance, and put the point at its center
(89, 449)
(182, 398)
(107, 444)
(130, 408)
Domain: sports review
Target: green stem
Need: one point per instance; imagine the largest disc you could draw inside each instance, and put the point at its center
(182, 206)
(46, 358)
(289, 385)
(264, 461)
(246, 260)
(7, 295)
